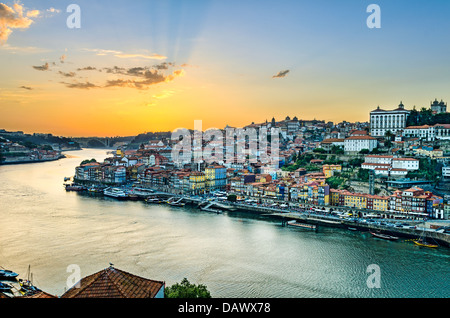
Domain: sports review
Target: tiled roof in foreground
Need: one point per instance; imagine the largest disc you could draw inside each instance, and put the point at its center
(114, 283)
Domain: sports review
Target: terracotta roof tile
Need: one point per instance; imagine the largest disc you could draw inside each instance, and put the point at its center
(114, 283)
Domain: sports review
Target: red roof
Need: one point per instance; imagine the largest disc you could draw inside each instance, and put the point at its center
(360, 138)
(114, 283)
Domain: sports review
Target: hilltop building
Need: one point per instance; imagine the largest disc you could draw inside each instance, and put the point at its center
(382, 120)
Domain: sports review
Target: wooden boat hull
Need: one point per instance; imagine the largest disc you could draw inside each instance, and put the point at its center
(384, 237)
(425, 244)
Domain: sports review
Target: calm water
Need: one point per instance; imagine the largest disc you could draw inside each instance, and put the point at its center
(234, 254)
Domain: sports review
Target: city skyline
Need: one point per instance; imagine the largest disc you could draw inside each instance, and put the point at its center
(158, 66)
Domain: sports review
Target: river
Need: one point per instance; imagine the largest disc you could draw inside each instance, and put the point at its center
(234, 254)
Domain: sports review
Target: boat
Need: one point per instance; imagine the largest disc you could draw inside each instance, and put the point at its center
(352, 228)
(115, 193)
(425, 244)
(142, 192)
(302, 225)
(74, 187)
(153, 200)
(7, 274)
(421, 241)
(384, 236)
(95, 189)
(26, 286)
(133, 197)
(212, 210)
(5, 288)
(66, 178)
(179, 204)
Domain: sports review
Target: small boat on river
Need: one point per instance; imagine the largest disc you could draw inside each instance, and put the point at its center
(7, 274)
(425, 244)
(384, 236)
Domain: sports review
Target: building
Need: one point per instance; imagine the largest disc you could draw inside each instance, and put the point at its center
(382, 121)
(438, 107)
(327, 144)
(389, 165)
(428, 133)
(329, 170)
(355, 144)
(216, 177)
(115, 283)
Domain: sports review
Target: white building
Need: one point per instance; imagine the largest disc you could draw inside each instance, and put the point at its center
(358, 143)
(382, 120)
(409, 164)
(429, 133)
(389, 165)
(446, 172)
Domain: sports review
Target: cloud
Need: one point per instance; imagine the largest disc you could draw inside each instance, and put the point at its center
(164, 94)
(44, 67)
(14, 18)
(281, 74)
(123, 55)
(70, 74)
(53, 10)
(86, 85)
(23, 49)
(151, 57)
(33, 13)
(87, 68)
(26, 87)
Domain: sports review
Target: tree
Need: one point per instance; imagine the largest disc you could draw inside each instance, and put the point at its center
(232, 197)
(337, 150)
(186, 290)
(88, 161)
(364, 151)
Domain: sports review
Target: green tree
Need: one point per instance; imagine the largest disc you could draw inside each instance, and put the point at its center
(186, 290)
(363, 174)
(337, 150)
(364, 151)
(88, 161)
(232, 197)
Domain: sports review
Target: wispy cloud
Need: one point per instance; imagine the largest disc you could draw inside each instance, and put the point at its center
(23, 49)
(123, 55)
(26, 87)
(281, 74)
(87, 68)
(70, 74)
(142, 56)
(85, 85)
(44, 67)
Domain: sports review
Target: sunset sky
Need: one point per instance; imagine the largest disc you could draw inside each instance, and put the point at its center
(137, 66)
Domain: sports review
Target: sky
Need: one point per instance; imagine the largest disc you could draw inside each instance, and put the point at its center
(157, 65)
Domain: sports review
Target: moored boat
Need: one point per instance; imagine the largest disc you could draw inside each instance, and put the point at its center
(384, 236)
(74, 187)
(302, 225)
(7, 274)
(4, 288)
(178, 204)
(217, 211)
(115, 193)
(425, 244)
(153, 200)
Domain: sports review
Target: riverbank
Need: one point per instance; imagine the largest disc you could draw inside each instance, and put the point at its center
(408, 229)
(23, 161)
